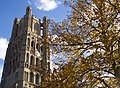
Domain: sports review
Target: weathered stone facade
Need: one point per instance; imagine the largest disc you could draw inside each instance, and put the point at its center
(27, 57)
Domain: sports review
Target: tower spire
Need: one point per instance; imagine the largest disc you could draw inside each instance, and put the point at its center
(29, 10)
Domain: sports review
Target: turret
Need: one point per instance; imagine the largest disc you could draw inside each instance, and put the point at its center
(15, 28)
(16, 21)
(28, 16)
(45, 26)
(46, 58)
(28, 10)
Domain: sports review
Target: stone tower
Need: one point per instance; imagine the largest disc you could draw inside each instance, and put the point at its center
(27, 58)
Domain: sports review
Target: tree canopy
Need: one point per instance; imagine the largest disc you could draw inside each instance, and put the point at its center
(88, 46)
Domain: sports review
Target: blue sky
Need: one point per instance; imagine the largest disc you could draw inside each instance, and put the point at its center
(53, 9)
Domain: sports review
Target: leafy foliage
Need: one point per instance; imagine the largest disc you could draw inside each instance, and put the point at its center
(89, 40)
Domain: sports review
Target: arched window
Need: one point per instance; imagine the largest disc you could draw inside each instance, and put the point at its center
(27, 58)
(37, 46)
(32, 44)
(31, 77)
(13, 63)
(26, 76)
(28, 42)
(15, 46)
(36, 26)
(37, 61)
(37, 79)
(32, 60)
(41, 48)
(41, 32)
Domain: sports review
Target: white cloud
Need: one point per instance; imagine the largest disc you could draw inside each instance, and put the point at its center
(46, 5)
(29, 2)
(3, 47)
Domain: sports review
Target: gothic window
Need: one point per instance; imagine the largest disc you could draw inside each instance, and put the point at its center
(32, 60)
(20, 26)
(26, 76)
(15, 47)
(19, 55)
(41, 32)
(28, 42)
(41, 48)
(16, 59)
(32, 44)
(48, 65)
(37, 47)
(13, 64)
(37, 79)
(36, 26)
(27, 58)
(31, 77)
(37, 61)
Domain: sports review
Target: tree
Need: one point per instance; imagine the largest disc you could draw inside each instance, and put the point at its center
(88, 42)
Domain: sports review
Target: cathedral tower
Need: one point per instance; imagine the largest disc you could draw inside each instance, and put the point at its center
(27, 58)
